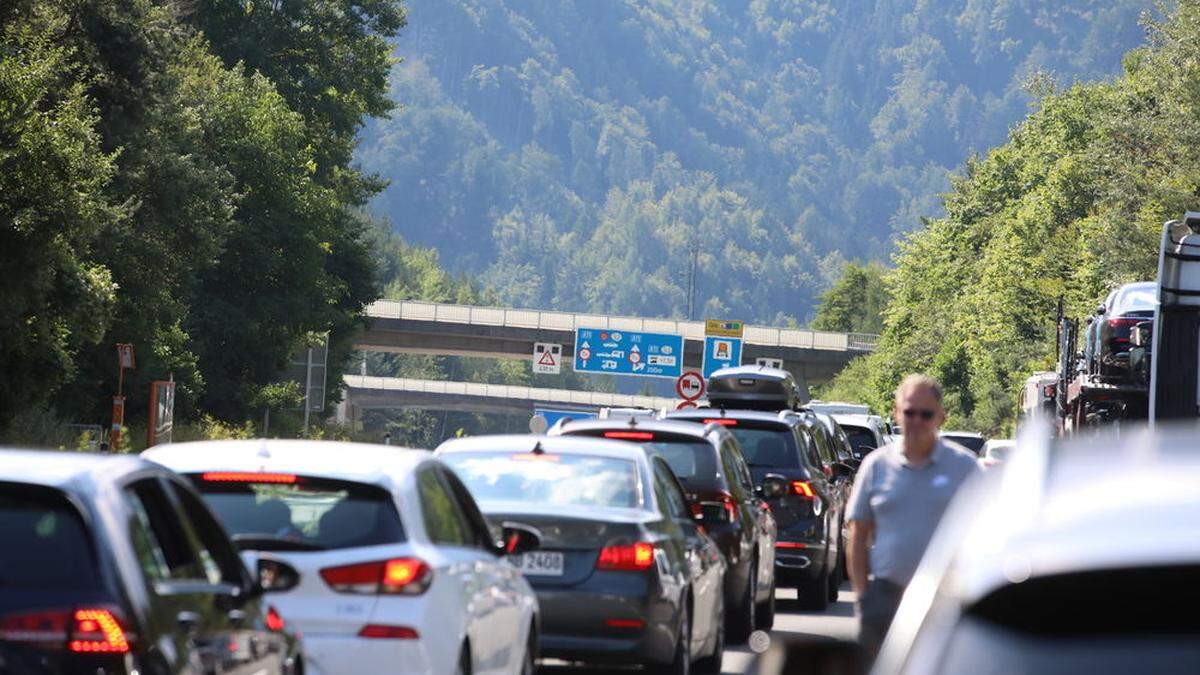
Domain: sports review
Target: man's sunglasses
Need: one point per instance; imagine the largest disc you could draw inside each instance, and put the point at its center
(923, 414)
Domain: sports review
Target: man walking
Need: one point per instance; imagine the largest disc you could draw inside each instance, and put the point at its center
(900, 494)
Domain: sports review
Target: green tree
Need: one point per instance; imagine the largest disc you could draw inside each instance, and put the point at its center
(856, 302)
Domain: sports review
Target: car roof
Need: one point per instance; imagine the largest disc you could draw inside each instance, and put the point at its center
(1057, 509)
(559, 445)
(669, 426)
(857, 420)
(733, 414)
(964, 434)
(65, 470)
(359, 462)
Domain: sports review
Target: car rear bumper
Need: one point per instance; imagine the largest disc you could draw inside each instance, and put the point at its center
(332, 654)
(574, 624)
(799, 558)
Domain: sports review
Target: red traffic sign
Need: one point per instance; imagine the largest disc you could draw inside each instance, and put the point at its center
(683, 405)
(690, 386)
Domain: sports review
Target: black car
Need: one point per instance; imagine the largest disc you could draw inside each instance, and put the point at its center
(1110, 335)
(809, 512)
(720, 488)
(624, 574)
(115, 565)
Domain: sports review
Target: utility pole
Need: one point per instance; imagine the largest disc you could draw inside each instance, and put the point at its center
(694, 251)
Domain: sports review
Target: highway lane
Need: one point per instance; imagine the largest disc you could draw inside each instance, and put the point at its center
(836, 621)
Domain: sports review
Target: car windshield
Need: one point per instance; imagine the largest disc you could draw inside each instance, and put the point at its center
(46, 544)
(548, 480)
(861, 438)
(308, 513)
(972, 443)
(1136, 298)
(773, 448)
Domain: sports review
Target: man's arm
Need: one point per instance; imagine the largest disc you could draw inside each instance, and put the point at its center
(856, 554)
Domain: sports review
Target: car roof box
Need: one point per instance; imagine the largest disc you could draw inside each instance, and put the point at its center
(754, 388)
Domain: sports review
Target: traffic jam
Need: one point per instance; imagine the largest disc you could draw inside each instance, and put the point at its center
(660, 540)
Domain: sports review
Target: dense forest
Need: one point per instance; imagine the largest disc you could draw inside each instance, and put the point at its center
(1070, 206)
(589, 155)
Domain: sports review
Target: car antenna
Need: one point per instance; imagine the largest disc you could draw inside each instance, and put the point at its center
(538, 449)
(632, 421)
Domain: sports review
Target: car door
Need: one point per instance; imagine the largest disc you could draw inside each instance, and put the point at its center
(701, 555)
(471, 595)
(509, 616)
(249, 646)
(185, 624)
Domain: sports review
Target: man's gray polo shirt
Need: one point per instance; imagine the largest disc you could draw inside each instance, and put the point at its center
(906, 502)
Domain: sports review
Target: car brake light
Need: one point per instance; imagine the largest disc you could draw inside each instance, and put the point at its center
(731, 510)
(627, 558)
(275, 623)
(90, 630)
(399, 576)
(1122, 323)
(97, 631)
(790, 544)
(625, 623)
(725, 422)
(375, 630)
(247, 477)
(630, 435)
(802, 488)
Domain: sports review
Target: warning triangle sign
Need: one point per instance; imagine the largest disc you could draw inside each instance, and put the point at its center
(547, 359)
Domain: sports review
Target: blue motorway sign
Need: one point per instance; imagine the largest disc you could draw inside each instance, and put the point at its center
(600, 350)
(720, 352)
(553, 416)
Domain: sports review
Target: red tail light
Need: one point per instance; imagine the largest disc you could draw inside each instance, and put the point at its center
(790, 544)
(731, 510)
(624, 623)
(1127, 324)
(630, 435)
(725, 422)
(629, 558)
(246, 477)
(88, 630)
(802, 488)
(399, 576)
(275, 622)
(375, 630)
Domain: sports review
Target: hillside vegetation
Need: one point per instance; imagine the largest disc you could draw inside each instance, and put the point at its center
(590, 155)
(1070, 206)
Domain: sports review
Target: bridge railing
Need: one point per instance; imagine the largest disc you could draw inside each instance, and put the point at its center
(415, 310)
(505, 391)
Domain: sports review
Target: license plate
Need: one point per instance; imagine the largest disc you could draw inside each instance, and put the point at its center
(539, 563)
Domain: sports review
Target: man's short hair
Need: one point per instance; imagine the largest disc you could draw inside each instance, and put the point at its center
(919, 381)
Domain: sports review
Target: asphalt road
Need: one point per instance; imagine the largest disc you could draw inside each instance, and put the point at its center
(836, 621)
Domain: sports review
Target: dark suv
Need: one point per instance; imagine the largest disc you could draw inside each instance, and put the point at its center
(721, 494)
(1110, 335)
(115, 565)
(809, 511)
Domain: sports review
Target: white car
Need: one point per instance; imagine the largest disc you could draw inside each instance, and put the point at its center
(996, 451)
(864, 431)
(400, 572)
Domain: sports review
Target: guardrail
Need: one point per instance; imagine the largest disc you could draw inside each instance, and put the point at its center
(415, 310)
(477, 390)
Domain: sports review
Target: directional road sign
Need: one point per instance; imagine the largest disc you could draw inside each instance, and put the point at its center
(721, 352)
(600, 350)
(553, 416)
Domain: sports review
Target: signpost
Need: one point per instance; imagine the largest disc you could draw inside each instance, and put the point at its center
(124, 360)
(547, 358)
(162, 412)
(768, 362)
(690, 386)
(722, 345)
(600, 350)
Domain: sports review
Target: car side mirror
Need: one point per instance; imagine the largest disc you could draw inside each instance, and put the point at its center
(773, 486)
(853, 463)
(274, 575)
(834, 656)
(1100, 310)
(842, 470)
(517, 539)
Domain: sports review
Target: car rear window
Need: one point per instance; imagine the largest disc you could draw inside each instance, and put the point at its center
(1139, 298)
(769, 448)
(688, 459)
(972, 443)
(548, 479)
(46, 545)
(861, 438)
(282, 511)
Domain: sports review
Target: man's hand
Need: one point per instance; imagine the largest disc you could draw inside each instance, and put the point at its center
(856, 554)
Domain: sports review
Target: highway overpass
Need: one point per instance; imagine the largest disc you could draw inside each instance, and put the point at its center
(415, 327)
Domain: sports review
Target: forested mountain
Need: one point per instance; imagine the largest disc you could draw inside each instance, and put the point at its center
(1069, 207)
(590, 154)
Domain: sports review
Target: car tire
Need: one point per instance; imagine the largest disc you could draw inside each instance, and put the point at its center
(765, 614)
(835, 579)
(813, 594)
(529, 660)
(681, 664)
(741, 624)
(711, 664)
(464, 660)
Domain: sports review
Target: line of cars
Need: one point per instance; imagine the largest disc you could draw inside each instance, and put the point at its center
(648, 541)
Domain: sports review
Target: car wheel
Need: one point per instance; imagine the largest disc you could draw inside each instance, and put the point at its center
(529, 662)
(835, 579)
(711, 664)
(765, 619)
(464, 661)
(681, 664)
(813, 594)
(742, 622)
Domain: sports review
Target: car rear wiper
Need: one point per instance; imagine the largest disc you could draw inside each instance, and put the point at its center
(753, 465)
(270, 542)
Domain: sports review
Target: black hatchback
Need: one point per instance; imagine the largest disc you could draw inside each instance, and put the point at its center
(114, 565)
(720, 490)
